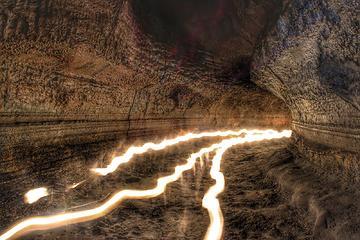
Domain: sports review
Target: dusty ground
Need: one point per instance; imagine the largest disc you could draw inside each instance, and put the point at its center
(252, 205)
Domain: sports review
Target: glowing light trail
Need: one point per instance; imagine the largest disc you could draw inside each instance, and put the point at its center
(210, 201)
(126, 157)
(54, 221)
(35, 195)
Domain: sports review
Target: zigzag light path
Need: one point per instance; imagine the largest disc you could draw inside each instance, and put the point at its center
(210, 200)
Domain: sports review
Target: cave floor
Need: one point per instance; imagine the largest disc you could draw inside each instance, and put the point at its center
(252, 204)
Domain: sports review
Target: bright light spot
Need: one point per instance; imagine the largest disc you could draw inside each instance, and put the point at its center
(75, 185)
(35, 194)
(210, 201)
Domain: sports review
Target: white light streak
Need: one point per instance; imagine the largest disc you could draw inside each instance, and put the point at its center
(75, 185)
(210, 201)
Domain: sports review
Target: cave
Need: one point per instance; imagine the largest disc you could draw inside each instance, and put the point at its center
(256, 102)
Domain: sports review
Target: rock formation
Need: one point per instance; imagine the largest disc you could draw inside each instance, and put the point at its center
(88, 71)
(78, 77)
(310, 59)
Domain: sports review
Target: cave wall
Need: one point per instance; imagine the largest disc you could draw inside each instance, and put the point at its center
(92, 57)
(310, 59)
(77, 72)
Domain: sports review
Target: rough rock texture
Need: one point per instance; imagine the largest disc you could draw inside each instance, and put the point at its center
(329, 203)
(311, 59)
(86, 71)
(80, 78)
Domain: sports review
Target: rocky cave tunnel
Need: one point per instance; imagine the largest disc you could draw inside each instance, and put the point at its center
(83, 80)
